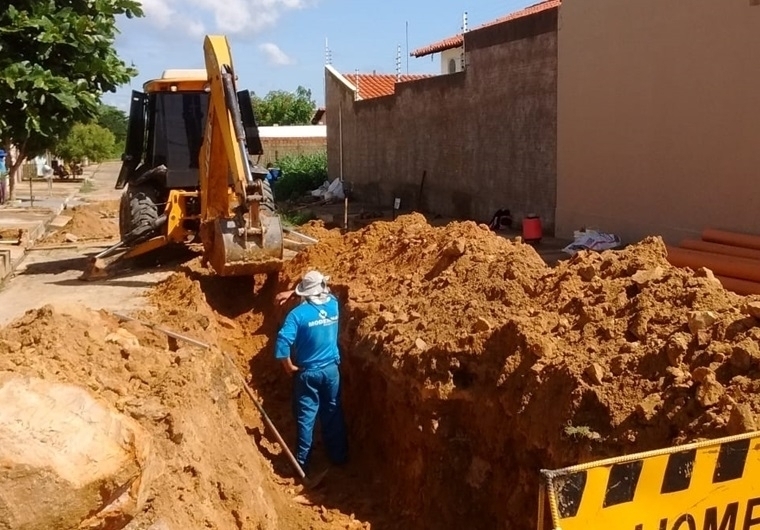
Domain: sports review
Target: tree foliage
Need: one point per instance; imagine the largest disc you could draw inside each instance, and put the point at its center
(56, 60)
(116, 121)
(280, 107)
(89, 141)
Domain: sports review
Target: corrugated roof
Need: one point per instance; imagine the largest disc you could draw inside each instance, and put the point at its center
(377, 85)
(458, 40)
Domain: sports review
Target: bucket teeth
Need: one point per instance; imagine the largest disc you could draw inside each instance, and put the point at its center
(95, 270)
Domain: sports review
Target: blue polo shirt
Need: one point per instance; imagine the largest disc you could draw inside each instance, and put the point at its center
(312, 330)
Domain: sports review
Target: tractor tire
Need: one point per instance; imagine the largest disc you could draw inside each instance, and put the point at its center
(267, 202)
(139, 224)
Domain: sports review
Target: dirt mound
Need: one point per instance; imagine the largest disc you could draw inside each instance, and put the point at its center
(89, 222)
(479, 365)
(470, 365)
(213, 477)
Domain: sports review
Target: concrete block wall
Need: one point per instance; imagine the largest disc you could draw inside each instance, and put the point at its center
(485, 138)
(277, 148)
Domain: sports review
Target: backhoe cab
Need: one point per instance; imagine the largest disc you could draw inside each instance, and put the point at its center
(188, 173)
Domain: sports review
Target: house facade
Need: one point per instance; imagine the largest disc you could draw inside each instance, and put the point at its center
(659, 117)
(463, 144)
(451, 51)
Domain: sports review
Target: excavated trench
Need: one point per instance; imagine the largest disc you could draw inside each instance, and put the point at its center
(469, 365)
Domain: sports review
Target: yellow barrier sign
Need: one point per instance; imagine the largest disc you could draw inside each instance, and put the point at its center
(713, 485)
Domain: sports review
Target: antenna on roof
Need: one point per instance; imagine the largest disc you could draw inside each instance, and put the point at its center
(462, 58)
(398, 63)
(328, 53)
(407, 47)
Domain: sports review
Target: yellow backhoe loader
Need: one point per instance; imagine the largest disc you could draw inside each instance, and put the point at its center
(189, 175)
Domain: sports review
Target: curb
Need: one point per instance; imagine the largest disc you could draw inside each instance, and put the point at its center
(34, 235)
(9, 266)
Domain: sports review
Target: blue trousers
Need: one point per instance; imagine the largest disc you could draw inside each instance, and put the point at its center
(318, 393)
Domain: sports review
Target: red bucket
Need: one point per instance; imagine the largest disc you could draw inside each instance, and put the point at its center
(531, 229)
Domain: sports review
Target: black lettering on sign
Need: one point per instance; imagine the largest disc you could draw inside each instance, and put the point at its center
(622, 482)
(729, 518)
(569, 493)
(678, 471)
(731, 460)
(750, 521)
(685, 519)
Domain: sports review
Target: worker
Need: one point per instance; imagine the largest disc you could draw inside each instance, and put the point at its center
(307, 346)
(3, 177)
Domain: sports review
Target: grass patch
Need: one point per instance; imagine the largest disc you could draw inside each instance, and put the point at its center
(581, 432)
(300, 175)
(297, 218)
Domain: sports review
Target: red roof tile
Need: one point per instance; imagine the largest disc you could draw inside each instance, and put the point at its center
(378, 85)
(458, 40)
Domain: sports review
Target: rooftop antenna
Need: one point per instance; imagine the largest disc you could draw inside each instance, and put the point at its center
(398, 63)
(464, 30)
(328, 53)
(407, 47)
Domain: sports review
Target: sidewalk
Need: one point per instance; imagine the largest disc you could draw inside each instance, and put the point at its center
(31, 214)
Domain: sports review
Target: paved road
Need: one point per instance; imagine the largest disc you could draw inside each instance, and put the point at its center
(51, 276)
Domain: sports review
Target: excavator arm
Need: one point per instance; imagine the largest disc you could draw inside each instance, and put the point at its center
(238, 235)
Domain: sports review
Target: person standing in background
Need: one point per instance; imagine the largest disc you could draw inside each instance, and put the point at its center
(3, 178)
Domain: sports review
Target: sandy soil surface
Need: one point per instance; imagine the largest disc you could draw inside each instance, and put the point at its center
(97, 221)
(468, 364)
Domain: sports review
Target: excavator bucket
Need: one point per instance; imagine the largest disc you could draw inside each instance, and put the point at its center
(236, 253)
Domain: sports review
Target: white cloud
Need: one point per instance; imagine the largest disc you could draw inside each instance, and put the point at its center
(275, 55)
(162, 14)
(229, 16)
(158, 11)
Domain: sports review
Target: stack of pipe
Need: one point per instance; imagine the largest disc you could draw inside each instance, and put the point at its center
(734, 258)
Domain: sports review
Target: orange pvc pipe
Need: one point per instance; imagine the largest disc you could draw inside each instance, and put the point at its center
(731, 238)
(718, 248)
(720, 264)
(743, 287)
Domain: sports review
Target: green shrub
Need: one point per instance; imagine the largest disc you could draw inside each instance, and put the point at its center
(300, 175)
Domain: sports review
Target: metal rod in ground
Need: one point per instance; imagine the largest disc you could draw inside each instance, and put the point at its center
(247, 388)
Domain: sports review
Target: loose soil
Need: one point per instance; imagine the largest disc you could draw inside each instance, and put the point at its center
(89, 222)
(468, 366)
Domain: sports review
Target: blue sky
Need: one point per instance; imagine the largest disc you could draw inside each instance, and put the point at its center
(280, 44)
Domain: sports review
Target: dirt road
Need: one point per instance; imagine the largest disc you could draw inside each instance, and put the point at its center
(50, 276)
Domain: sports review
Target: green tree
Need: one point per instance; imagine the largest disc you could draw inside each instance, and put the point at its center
(116, 121)
(56, 60)
(284, 108)
(89, 141)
